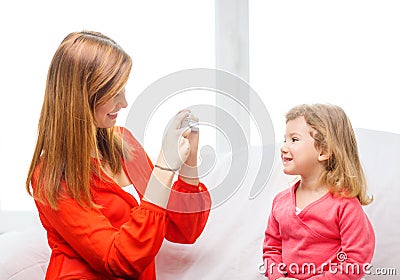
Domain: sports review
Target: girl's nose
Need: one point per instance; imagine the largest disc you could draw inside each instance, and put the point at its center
(283, 148)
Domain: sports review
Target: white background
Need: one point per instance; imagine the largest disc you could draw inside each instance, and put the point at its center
(342, 52)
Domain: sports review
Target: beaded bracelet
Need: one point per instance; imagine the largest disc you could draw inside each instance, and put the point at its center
(166, 168)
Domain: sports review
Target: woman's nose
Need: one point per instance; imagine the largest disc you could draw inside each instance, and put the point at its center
(123, 103)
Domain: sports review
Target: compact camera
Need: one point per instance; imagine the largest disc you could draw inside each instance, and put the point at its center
(188, 122)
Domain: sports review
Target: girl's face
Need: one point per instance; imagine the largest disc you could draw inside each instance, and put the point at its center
(298, 153)
(106, 114)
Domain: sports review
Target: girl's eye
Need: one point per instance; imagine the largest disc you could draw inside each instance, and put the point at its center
(292, 140)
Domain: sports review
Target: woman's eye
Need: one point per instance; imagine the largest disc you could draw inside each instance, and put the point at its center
(295, 139)
(119, 94)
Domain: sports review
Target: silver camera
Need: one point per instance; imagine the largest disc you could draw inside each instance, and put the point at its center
(188, 122)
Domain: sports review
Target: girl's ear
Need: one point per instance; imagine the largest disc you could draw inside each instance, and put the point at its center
(323, 156)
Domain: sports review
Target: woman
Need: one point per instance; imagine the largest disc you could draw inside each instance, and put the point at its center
(85, 172)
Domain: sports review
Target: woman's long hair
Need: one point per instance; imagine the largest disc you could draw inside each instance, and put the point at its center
(334, 135)
(87, 70)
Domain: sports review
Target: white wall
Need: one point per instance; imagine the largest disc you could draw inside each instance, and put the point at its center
(344, 52)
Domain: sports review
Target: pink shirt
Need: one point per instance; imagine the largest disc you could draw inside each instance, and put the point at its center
(331, 238)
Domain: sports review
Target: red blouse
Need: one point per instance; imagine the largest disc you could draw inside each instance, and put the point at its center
(121, 239)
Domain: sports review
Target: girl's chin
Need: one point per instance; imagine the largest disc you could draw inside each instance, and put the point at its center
(288, 172)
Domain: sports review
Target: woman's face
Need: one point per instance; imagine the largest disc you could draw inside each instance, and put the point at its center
(106, 114)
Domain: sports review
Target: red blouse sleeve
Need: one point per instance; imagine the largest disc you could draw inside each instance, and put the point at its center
(188, 210)
(123, 252)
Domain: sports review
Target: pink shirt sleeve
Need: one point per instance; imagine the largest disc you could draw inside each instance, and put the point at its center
(272, 248)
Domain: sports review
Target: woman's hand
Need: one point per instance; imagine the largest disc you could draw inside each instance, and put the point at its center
(179, 146)
(193, 138)
(189, 171)
(175, 145)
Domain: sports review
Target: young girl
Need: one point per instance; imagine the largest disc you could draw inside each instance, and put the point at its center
(317, 229)
(103, 204)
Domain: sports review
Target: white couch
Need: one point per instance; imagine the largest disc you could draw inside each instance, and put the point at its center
(231, 244)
